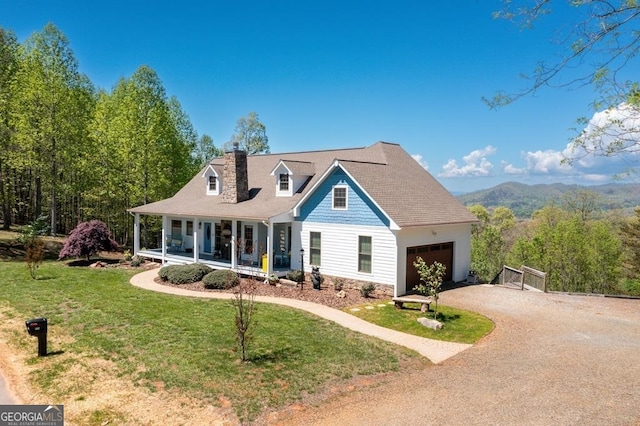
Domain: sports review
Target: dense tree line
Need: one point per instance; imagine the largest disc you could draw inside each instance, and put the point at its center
(579, 249)
(71, 152)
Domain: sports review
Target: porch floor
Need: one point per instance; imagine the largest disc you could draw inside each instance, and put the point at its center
(173, 257)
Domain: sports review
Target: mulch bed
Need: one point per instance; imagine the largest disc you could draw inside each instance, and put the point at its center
(325, 296)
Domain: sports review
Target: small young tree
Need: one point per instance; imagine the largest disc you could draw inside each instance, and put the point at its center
(87, 239)
(34, 255)
(33, 244)
(430, 280)
(244, 295)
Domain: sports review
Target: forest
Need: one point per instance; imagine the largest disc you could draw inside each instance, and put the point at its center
(580, 246)
(70, 152)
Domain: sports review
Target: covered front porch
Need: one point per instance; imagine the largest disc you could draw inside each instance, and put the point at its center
(173, 257)
(249, 247)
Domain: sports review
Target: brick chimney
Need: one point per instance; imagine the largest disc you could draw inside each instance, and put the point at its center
(235, 180)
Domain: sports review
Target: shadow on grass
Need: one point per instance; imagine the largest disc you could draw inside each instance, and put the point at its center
(35, 359)
(444, 318)
(85, 262)
(265, 356)
(45, 278)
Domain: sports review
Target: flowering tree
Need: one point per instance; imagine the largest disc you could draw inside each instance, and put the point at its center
(430, 280)
(87, 239)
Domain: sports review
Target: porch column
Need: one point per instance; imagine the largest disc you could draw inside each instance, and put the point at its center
(196, 245)
(136, 233)
(164, 244)
(234, 239)
(164, 237)
(270, 249)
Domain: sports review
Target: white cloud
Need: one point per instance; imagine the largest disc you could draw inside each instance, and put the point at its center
(546, 162)
(475, 164)
(510, 169)
(421, 161)
(613, 131)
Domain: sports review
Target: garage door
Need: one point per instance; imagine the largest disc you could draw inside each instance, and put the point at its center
(442, 253)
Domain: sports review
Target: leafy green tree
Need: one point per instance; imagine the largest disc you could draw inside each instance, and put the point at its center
(8, 68)
(598, 41)
(51, 106)
(250, 135)
(490, 240)
(630, 234)
(206, 150)
(577, 255)
(430, 280)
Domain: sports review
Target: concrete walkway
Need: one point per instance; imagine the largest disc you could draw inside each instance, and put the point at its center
(435, 350)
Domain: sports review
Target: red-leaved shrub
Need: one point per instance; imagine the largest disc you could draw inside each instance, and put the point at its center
(87, 239)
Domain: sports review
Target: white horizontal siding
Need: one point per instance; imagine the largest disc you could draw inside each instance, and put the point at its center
(339, 251)
(460, 235)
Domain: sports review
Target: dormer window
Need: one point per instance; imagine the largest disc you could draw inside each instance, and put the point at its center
(284, 182)
(211, 181)
(339, 198)
(290, 176)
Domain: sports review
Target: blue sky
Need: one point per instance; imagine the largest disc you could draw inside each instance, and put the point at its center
(336, 74)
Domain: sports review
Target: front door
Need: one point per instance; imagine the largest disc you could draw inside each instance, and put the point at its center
(207, 237)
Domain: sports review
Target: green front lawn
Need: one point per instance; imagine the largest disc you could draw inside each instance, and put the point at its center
(187, 345)
(458, 325)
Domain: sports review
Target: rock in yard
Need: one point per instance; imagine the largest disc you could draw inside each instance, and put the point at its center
(430, 323)
(341, 294)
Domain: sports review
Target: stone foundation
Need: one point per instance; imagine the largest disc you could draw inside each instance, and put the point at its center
(383, 290)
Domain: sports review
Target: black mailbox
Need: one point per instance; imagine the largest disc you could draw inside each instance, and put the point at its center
(36, 326)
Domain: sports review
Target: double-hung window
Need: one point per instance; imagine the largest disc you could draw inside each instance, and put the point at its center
(364, 254)
(339, 198)
(212, 183)
(315, 248)
(284, 182)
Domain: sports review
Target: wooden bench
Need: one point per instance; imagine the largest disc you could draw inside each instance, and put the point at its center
(424, 301)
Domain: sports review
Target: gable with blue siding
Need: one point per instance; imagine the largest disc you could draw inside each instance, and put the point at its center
(360, 209)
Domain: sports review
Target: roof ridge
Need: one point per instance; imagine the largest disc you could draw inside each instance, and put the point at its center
(363, 162)
(306, 152)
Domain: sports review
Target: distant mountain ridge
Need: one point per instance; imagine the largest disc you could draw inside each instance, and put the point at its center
(524, 199)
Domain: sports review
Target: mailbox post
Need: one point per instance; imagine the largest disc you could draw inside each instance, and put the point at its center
(38, 327)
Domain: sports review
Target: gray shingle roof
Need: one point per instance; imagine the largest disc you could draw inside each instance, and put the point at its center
(406, 192)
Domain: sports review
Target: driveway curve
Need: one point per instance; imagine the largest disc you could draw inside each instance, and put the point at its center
(552, 359)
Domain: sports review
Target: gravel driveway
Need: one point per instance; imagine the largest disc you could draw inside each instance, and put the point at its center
(552, 360)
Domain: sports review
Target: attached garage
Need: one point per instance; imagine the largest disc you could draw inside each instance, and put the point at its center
(442, 252)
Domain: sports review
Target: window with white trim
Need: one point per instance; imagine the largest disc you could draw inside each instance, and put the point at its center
(339, 199)
(213, 185)
(315, 252)
(284, 182)
(364, 254)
